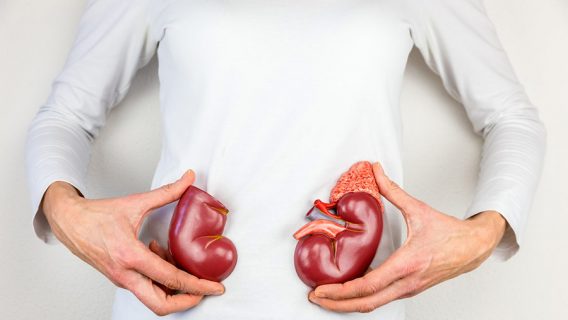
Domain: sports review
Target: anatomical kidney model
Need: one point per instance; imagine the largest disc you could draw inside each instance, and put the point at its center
(341, 246)
(195, 238)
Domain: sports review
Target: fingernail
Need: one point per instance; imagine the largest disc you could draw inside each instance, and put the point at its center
(379, 167)
(319, 294)
(185, 174)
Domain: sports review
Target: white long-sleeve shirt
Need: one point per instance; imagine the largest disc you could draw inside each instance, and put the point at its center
(269, 101)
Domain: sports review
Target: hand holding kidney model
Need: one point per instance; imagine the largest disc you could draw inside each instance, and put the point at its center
(340, 249)
(196, 240)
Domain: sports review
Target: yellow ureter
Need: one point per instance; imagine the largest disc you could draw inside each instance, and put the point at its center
(223, 211)
(215, 237)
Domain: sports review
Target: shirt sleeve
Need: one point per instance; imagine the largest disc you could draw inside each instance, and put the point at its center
(460, 44)
(113, 41)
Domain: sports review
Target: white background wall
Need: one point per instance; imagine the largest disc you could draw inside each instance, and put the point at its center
(441, 157)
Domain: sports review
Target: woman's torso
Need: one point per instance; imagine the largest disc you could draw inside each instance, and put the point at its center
(269, 101)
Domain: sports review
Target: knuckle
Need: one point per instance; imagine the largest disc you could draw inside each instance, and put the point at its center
(413, 287)
(366, 307)
(393, 185)
(414, 266)
(167, 192)
(418, 264)
(365, 289)
(127, 257)
(407, 268)
(160, 311)
(424, 263)
(113, 275)
(174, 283)
(409, 295)
(117, 277)
(168, 188)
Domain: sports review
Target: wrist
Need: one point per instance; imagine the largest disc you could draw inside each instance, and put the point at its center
(59, 195)
(491, 226)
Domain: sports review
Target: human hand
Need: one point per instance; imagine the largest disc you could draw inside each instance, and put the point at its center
(438, 247)
(104, 233)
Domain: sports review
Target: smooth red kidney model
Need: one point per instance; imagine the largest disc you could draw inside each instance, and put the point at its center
(341, 250)
(195, 237)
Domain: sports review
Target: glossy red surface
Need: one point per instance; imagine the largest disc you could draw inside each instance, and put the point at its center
(333, 252)
(195, 236)
(321, 258)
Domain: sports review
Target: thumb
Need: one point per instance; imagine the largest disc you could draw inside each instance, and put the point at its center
(168, 193)
(392, 191)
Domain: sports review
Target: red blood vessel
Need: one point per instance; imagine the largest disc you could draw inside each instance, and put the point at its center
(196, 240)
(336, 252)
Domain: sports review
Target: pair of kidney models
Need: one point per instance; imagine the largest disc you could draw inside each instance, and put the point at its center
(337, 245)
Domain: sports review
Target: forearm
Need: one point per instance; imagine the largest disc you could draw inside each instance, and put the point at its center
(57, 149)
(512, 159)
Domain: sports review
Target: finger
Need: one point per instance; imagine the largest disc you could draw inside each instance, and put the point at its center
(167, 193)
(378, 279)
(155, 247)
(392, 191)
(163, 253)
(157, 300)
(368, 303)
(159, 270)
